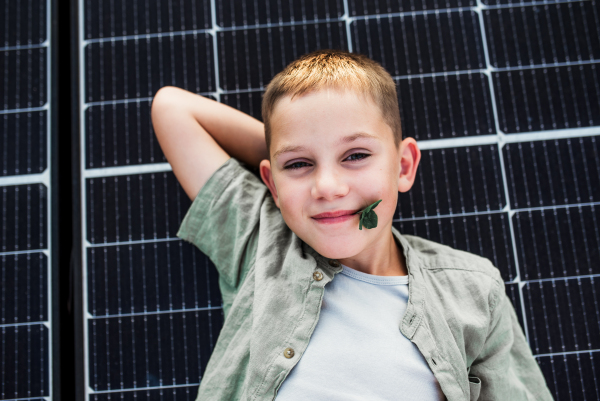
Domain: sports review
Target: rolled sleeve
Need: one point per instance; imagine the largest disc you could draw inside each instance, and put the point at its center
(506, 367)
(223, 220)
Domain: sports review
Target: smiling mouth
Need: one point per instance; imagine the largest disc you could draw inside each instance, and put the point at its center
(330, 215)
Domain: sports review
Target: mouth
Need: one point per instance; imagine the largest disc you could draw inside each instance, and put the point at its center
(337, 216)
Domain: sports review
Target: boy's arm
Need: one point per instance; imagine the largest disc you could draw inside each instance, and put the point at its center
(197, 135)
(506, 366)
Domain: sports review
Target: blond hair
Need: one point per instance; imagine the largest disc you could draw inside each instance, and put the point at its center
(338, 69)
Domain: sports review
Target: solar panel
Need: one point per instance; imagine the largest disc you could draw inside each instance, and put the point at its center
(26, 246)
(501, 96)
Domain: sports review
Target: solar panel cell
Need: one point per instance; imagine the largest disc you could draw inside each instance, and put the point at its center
(24, 81)
(151, 350)
(24, 288)
(132, 208)
(421, 43)
(23, 209)
(446, 106)
(451, 181)
(110, 18)
(150, 277)
(137, 68)
(23, 144)
(248, 59)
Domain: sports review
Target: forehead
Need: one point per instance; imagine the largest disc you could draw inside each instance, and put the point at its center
(326, 117)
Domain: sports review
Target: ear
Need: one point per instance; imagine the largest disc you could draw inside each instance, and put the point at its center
(410, 155)
(267, 176)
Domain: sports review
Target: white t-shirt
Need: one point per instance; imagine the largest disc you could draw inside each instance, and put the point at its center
(357, 351)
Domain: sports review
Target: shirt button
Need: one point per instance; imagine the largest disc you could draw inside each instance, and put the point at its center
(318, 275)
(288, 353)
(334, 263)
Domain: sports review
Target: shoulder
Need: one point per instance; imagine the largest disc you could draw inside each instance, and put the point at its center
(465, 272)
(434, 255)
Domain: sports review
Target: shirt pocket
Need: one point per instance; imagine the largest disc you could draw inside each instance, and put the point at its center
(474, 387)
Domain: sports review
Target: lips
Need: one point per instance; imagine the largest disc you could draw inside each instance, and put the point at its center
(336, 213)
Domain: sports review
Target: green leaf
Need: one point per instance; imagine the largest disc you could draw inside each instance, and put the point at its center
(368, 217)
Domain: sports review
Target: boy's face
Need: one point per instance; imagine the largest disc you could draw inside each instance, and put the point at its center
(348, 162)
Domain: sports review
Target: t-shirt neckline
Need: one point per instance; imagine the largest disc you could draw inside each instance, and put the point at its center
(373, 279)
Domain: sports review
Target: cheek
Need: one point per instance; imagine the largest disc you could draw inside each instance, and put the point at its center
(290, 202)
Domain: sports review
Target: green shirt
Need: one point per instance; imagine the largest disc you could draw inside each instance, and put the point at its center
(272, 284)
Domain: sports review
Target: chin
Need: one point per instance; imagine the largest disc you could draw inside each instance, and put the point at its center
(335, 250)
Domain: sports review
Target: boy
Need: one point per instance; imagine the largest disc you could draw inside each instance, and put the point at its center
(406, 318)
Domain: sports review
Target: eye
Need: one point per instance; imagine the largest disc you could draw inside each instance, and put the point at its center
(293, 164)
(359, 154)
(290, 167)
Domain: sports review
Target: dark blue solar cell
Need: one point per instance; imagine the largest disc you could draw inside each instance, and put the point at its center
(23, 143)
(448, 106)
(421, 43)
(152, 350)
(27, 84)
(244, 13)
(25, 361)
(148, 277)
(454, 181)
(23, 210)
(550, 173)
(131, 208)
(109, 18)
(544, 34)
(24, 288)
(558, 369)
(137, 68)
(540, 99)
(121, 134)
(24, 22)
(248, 59)
(562, 315)
(557, 242)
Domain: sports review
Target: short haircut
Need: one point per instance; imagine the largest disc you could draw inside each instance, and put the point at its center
(337, 69)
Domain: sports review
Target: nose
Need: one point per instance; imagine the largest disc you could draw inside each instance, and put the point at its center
(328, 184)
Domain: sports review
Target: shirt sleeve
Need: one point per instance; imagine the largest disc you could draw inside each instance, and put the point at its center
(506, 368)
(223, 222)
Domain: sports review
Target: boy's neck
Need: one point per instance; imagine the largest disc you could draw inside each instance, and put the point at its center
(382, 258)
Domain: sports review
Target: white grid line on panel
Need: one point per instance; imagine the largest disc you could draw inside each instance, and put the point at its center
(26, 399)
(35, 323)
(157, 312)
(127, 389)
(43, 250)
(543, 65)
(553, 279)
(43, 178)
(347, 20)
(45, 43)
(591, 351)
(26, 109)
(144, 241)
(214, 30)
(127, 170)
(501, 141)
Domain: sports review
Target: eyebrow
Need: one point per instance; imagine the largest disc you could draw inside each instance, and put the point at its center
(346, 139)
